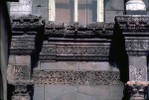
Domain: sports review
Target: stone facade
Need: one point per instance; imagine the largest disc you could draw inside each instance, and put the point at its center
(73, 61)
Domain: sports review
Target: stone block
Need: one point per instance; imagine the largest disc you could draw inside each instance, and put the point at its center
(116, 91)
(14, 59)
(137, 61)
(57, 92)
(39, 92)
(60, 65)
(82, 96)
(69, 96)
(102, 90)
(74, 65)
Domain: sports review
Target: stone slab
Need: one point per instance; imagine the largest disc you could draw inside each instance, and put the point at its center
(75, 65)
(39, 92)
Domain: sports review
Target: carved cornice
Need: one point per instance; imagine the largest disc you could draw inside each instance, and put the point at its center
(72, 77)
(75, 30)
(75, 51)
(24, 31)
(137, 46)
(26, 23)
(133, 23)
(22, 45)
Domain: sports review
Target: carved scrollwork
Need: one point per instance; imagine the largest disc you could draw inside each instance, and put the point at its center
(137, 46)
(29, 22)
(75, 51)
(138, 73)
(74, 30)
(132, 23)
(72, 77)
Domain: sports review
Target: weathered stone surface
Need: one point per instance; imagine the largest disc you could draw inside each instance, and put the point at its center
(23, 7)
(138, 68)
(67, 92)
(76, 65)
(71, 51)
(72, 77)
(21, 97)
(135, 5)
(137, 89)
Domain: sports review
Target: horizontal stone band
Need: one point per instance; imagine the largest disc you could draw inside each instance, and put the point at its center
(76, 77)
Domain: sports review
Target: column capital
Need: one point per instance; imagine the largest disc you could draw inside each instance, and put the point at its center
(137, 89)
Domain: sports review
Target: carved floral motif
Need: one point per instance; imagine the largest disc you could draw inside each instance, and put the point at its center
(72, 77)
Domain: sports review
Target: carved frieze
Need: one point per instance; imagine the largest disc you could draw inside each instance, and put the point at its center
(26, 23)
(72, 77)
(75, 30)
(75, 51)
(133, 23)
(137, 46)
(138, 73)
(18, 74)
(24, 31)
(22, 44)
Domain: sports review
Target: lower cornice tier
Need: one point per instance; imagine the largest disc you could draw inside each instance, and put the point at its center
(75, 77)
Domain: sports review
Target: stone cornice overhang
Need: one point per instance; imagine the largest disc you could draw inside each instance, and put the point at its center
(24, 32)
(76, 42)
(135, 29)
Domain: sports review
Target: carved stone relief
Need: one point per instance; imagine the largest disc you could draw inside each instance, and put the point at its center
(72, 77)
(138, 73)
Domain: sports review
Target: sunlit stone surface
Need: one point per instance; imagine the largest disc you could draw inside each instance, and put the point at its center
(135, 5)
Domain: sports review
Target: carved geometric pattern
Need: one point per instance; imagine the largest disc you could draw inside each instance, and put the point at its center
(138, 73)
(72, 30)
(22, 44)
(133, 23)
(137, 46)
(24, 30)
(73, 51)
(72, 77)
(17, 73)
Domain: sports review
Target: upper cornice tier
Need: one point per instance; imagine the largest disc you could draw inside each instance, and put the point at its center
(75, 30)
(26, 23)
(133, 23)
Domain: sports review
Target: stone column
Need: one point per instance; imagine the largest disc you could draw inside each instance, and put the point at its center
(135, 5)
(24, 35)
(136, 37)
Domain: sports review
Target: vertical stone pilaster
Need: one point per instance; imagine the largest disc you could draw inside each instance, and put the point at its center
(136, 37)
(24, 31)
